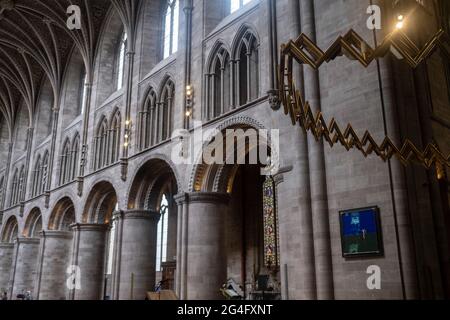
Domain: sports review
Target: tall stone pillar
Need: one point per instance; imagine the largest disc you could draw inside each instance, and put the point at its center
(317, 174)
(6, 258)
(88, 254)
(180, 277)
(206, 255)
(135, 254)
(54, 258)
(296, 237)
(24, 265)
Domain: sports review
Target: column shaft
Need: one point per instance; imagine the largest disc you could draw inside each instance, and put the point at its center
(6, 258)
(54, 257)
(317, 174)
(89, 249)
(138, 254)
(24, 268)
(206, 258)
(181, 202)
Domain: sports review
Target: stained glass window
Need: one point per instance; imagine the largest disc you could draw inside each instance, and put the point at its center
(271, 249)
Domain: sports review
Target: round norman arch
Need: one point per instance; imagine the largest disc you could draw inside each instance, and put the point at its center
(100, 204)
(10, 230)
(62, 216)
(33, 224)
(150, 182)
(218, 178)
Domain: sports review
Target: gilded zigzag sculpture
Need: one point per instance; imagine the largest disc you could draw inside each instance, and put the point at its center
(305, 51)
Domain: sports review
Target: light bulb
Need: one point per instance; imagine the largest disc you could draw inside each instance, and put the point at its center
(127, 122)
(125, 144)
(400, 21)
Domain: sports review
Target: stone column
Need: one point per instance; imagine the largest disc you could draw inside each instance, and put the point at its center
(206, 255)
(6, 258)
(88, 253)
(181, 201)
(135, 254)
(24, 265)
(54, 257)
(172, 230)
(317, 173)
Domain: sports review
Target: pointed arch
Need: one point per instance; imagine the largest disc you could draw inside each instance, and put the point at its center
(246, 57)
(14, 187)
(75, 156)
(100, 144)
(165, 110)
(36, 173)
(114, 137)
(147, 120)
(65, 163)
(44, 172)
(218, 82)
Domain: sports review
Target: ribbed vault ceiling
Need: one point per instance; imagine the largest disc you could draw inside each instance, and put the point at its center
(35, 43)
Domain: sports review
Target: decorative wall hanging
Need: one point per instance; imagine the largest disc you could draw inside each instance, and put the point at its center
(352, 46)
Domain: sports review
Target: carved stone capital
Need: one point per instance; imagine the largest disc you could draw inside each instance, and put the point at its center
(23, 240)
(274, 99)
(209, 197)
(141, 214)
(89, 227)
(56, 234)
(181, 198)
(6, 245)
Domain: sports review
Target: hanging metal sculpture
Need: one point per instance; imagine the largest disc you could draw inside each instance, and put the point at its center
(306, 52)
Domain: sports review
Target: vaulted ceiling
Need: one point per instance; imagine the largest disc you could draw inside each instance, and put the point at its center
(35, 42)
